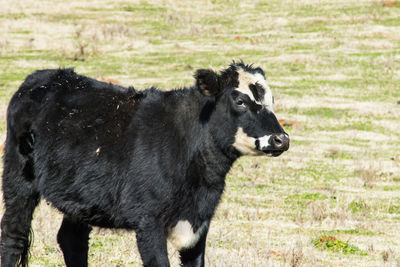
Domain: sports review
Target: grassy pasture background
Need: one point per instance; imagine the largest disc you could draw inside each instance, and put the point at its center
(334, 67)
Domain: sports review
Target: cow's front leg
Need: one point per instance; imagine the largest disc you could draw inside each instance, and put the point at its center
(152, 244)
(194, 256)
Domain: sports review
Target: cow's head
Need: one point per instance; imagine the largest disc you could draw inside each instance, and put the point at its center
(241, 116)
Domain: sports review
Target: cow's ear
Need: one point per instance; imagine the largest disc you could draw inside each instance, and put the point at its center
(207, 82)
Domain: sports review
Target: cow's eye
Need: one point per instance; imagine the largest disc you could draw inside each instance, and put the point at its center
(240, 103)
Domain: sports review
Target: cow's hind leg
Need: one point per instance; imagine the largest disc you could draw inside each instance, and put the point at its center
(20, 198)
(73, 238)
(16, 231)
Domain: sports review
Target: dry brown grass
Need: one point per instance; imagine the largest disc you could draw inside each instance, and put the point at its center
(334, 68)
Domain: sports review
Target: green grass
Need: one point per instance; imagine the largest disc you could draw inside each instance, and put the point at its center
(357, 206)
(394, 209)
(322, 112)
(331, 243)
(351, 232)
(144, 8)
(305, 197)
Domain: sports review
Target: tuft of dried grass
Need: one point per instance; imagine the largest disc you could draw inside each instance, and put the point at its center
(390, 257)
(294, 256)
(318, 210)
(368, 174)
(333, 152)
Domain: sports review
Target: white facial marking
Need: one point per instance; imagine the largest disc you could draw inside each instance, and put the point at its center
(182, 235)
(245, 144)
(264, 142)
(246, 78)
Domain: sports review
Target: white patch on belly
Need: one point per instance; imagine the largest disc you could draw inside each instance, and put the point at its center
(245, 144)
(182, 235)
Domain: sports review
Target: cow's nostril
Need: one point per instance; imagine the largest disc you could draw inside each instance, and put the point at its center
(278, 142)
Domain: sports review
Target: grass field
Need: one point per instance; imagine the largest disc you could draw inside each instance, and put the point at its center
(334, 66)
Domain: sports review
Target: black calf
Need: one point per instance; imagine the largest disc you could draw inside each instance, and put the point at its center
(151, 161)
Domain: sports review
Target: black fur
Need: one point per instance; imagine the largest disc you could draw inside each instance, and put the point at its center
(110, 156)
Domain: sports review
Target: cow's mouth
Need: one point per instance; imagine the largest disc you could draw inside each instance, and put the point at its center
(273, 153)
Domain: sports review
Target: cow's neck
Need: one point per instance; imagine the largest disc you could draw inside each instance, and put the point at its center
(205, 163)
(213, 158)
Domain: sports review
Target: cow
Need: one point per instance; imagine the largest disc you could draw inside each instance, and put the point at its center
(150, 161)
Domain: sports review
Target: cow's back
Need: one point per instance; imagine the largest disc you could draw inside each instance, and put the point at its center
(61, 95)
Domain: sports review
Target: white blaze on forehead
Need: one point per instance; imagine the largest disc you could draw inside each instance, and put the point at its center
(246, 78)
(245, 144)
(182, 235)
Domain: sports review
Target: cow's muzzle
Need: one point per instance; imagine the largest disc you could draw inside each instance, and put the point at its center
(278, 143)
